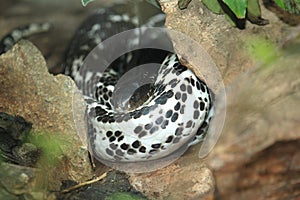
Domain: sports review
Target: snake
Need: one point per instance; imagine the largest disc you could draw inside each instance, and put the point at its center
(175, 111)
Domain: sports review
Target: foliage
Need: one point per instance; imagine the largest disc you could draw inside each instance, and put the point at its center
(280, 3)
(239, 7)
(250, 9)
(237, 10)
(292, 6)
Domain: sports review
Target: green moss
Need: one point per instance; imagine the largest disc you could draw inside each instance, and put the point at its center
(50, 145)
(261, 50)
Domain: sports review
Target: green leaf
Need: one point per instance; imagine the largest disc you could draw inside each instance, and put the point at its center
(213, 5)
(280, 3)
(228, 18)
(254, 8)
(292, 6)
(254, 13)
(85, 2)
(238, 7)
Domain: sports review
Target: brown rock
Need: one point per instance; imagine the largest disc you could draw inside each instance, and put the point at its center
(25, 182)
(223, 42)
(257, 154)
(176, 181)
(250, 160)
(28, 90)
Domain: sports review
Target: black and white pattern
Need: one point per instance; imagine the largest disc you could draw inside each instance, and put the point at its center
(23, 32)
(175, 113)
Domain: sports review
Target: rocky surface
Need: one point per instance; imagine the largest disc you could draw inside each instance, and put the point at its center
(257, 155)
(257, 152)
(105, 189)
(251, 159)
(28, 90)
(223, 42)
(180, 180)
(23, 182)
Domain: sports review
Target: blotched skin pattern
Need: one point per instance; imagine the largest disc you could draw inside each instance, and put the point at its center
(176, 114)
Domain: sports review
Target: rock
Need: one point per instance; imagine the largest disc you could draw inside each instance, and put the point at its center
(223, 42)
(240, 171)
(13, 145)
(236, 169)
(180, 180)
(258, 151)
(22, 182)
(115, 186)
(28, 90)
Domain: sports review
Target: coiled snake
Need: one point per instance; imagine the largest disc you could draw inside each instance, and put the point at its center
(175, 113)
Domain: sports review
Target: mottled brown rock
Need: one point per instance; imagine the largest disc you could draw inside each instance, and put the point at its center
(177, 181)
(260, 107)
(223, 42)
(28, 90)
(244, 173)
(258, 153)
(23, 182)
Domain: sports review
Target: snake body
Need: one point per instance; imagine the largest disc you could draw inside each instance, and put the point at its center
(176, 114)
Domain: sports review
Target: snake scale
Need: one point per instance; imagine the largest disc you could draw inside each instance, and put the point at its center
(175, 113)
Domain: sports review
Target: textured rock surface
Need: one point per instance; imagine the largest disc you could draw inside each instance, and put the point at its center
(22, 182)
(253, 160)
(180, 180)
(258, 153)
(224, 43)
(241, 171)
(28, 90)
